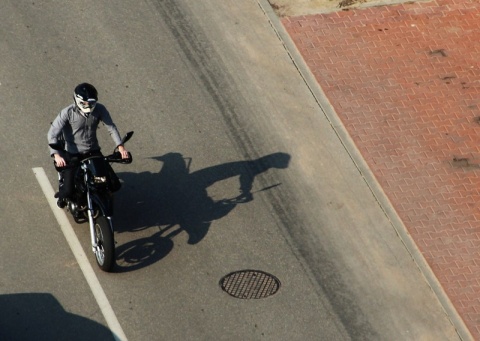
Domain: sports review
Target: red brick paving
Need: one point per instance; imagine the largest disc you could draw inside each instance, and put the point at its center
(405, 81)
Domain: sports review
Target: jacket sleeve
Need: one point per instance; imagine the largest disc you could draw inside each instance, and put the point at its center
(111, 127)
(55, 133)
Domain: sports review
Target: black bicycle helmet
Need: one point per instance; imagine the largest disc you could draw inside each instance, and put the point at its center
(86, 97)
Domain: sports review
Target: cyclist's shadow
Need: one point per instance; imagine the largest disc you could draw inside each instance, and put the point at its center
(176, 200)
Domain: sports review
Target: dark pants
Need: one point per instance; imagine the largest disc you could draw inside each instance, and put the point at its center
(66, 186)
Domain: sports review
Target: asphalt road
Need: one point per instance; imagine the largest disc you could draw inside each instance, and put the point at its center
(218, 108)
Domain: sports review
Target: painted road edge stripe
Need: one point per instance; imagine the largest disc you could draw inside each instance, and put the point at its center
(80, 256)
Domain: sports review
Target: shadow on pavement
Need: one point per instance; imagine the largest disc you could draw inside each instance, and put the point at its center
(176, 201)
(39, 316)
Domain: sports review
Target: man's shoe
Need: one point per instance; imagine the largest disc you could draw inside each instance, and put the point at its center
(61, 203)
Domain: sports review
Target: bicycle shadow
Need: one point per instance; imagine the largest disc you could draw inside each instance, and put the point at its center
(176, 201)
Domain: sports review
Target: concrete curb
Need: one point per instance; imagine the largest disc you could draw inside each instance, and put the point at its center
(365, 171)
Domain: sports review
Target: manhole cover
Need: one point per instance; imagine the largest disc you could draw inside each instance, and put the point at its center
(248, 284)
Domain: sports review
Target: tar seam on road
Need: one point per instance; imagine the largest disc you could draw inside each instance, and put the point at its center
(80, 256)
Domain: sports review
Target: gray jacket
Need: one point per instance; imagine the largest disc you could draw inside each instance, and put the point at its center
(80, 132)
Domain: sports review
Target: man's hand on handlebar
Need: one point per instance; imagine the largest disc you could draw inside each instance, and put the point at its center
(59, 161)
(123, 152)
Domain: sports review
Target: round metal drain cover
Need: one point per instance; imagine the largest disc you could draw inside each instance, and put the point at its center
(248, 284)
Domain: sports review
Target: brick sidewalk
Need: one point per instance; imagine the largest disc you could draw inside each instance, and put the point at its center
(405, 81)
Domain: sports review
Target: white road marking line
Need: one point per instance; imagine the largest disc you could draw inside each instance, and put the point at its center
(80, 256)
